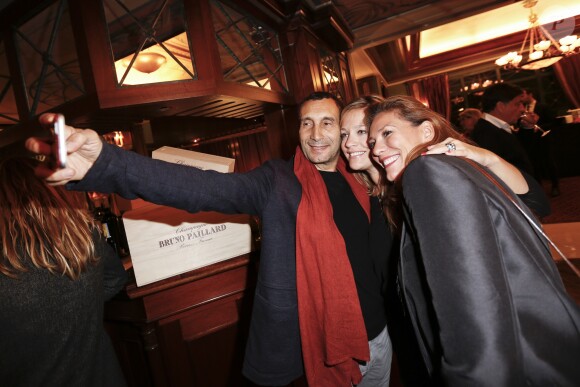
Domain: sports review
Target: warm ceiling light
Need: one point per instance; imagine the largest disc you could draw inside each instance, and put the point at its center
(543, 50)
(148, 62)
(118, 138)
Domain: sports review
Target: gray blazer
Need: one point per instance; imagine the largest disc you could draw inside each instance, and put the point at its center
(486, 300)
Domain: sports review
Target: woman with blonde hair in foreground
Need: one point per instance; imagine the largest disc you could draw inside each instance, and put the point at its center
(56, 271)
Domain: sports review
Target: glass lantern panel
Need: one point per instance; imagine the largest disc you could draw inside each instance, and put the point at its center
(48, 59)
(249, 50)
(149, 41)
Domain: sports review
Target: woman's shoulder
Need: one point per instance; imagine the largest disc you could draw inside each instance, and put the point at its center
(443, 171)
(456, 176)
(435, 164)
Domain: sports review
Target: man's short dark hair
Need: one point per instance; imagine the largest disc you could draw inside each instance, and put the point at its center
(319, 95)
(500, 92)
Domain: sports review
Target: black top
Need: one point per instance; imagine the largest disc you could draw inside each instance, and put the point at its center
(51, 327)
(367, 246)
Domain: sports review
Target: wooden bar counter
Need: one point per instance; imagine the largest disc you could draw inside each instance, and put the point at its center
(187, 330)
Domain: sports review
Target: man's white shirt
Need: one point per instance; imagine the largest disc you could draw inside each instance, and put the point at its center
(497, 122)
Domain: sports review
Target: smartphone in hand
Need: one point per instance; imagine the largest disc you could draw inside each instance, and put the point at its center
(60, 142)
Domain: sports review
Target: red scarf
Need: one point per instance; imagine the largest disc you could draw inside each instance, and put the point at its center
(332, 328)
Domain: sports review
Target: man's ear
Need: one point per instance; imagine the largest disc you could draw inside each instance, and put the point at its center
(500, 107)
(427, 130)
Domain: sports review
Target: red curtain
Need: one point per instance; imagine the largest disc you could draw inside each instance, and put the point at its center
(568, 73)
(434, 93)
(249, 151)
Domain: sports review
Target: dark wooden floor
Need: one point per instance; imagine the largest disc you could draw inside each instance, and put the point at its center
(565, 209)
(566, 206)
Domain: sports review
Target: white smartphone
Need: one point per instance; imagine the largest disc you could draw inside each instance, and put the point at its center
(60, 141)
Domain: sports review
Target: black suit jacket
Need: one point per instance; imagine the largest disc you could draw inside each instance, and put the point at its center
(487, 303)
(502, 143)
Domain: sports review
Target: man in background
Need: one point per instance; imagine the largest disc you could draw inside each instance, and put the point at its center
(503, 106)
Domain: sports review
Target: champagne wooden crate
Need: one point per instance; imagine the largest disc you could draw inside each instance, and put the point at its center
(165, 241)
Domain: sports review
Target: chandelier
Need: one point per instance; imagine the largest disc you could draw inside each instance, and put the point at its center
(542, 49)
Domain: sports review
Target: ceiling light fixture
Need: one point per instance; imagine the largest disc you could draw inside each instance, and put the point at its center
(147, 62)
(542, 49)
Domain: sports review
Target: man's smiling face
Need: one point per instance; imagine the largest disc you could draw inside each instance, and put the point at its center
(320, 133)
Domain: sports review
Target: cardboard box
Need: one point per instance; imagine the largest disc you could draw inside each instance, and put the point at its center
(194, 159)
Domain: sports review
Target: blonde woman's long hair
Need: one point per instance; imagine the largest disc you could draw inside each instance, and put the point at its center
(362, 177)
(414, 112)
(45, 225)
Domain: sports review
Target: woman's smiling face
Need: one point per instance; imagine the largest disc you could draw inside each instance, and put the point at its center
(392, 139)
(353, 140)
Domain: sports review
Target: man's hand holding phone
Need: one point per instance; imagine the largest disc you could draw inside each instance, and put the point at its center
(74, 150)
(60, 152)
